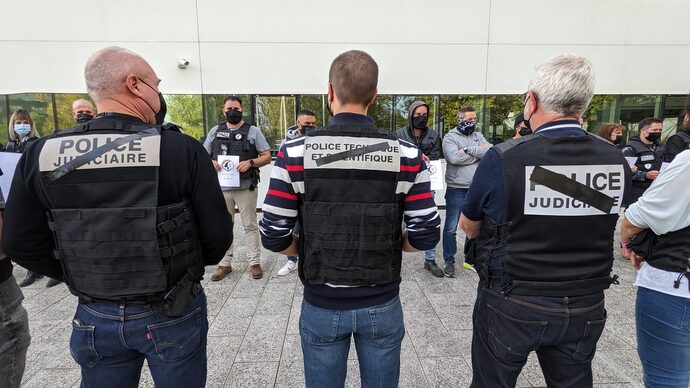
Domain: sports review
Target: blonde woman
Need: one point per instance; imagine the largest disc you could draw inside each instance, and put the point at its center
(21, 131)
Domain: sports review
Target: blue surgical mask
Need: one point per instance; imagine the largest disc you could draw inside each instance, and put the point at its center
(22, 129)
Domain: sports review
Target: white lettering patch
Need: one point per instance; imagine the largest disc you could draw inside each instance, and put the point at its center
(320, 152)
(138, 153)
(543, 201)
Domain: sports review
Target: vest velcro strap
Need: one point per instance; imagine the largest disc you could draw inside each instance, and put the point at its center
(174, 250)
(168, 226)
(359, 245)
(566, 288)
(101, 253)
(107, 236)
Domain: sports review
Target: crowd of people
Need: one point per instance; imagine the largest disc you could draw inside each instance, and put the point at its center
(127, 211)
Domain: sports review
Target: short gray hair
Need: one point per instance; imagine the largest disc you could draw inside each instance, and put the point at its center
(106, 70)
(564, 84)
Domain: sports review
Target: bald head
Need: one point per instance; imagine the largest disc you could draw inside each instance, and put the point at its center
(82, 106)
(121, 81)
(107, 69)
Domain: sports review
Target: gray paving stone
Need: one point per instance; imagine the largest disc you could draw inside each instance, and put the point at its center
(54, 378)
(429, 336)
(291, 369)
(264, 339)
(221, 353)
(252, 375)
(447, 372)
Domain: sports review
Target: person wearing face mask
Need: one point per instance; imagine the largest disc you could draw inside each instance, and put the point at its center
(127, 214)
(82, 110)
(463, 148)
(612, 133)
(235, 137)
(521, 126)
(21, 131)
(542, 211)
(304, 123)
(428, 141)
(679, 141)
(649, 151)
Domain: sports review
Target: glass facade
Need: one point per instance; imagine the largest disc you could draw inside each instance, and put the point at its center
(197, 114)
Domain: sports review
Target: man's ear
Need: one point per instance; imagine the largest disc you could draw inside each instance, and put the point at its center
(133, 84)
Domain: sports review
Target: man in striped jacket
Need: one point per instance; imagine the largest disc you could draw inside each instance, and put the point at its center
(350, 186)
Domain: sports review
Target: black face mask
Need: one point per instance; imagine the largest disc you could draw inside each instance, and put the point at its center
(653, 136)
(233, 116)
(307, 128)
(420, 122)
(160, 115)
(618, 139)
(524, 131)
(84, 117)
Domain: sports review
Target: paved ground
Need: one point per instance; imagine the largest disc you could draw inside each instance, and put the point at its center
(254, 339)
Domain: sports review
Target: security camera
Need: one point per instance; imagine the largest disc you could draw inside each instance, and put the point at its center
(182, 63)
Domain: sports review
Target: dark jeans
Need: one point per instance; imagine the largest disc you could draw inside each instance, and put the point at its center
(110, 342)
(14, 334)
(454, 201)
(663, 338)
(562, 331)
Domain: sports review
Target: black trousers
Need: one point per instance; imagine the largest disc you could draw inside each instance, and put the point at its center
(562, 331)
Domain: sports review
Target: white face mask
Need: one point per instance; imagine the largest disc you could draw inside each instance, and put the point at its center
(22, 129)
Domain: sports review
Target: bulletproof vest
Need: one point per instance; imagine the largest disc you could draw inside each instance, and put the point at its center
(18, 146)
(685, 136)
(115, 244)
(350, 216)
(562, 195)
(647, 159)
(235, 142)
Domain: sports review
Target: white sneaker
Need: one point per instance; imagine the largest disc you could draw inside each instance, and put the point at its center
(287, 268)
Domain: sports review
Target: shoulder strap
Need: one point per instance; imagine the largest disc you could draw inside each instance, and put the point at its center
(93, 154)
(684, 135)
(638, 146)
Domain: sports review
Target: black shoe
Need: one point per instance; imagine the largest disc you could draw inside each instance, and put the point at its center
(433, 268)
(30, 278)
(52, 282)
(449, 270)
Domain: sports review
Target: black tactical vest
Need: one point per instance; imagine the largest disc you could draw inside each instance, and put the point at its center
(562, 195)
(235, 142)
(350, 217)
(647, 160)
(114, 242)
(670, 251)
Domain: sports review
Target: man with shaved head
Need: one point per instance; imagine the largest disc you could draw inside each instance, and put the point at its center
(82, 110)
(127, 229)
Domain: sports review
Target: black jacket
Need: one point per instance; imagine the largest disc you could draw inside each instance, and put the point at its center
(429, 143)
(185, 172)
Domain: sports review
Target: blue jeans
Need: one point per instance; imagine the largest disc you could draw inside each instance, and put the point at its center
(562, 331)
(663, 338)
(430, 254)
(454, 201)
(296, 231)
(378, 332)
(110, 342)
(14, 334)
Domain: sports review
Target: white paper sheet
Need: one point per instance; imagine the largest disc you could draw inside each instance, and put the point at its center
(435, 168)
(631, 160)
(228, 176)
(8, 163)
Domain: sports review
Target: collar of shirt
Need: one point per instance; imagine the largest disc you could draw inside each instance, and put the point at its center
(118, 117)
(561, 128)
(351, 119)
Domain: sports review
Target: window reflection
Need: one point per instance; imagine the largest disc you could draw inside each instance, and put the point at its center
(274, 115)
(40, 107)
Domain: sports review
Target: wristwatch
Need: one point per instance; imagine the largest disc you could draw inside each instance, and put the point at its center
(464, 150)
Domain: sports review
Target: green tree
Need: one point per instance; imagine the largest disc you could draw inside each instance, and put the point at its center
(185, 111)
